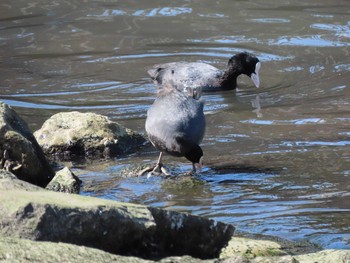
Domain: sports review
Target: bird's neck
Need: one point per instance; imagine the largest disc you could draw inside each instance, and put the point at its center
(229, 78)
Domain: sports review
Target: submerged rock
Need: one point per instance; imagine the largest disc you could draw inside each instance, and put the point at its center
(19, 150)
(134, 170)
(86, 134)
(175, 179)
(65, 181)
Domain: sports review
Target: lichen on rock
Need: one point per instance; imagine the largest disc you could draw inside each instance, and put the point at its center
(251, 248)
(86, 134)
(65, 181)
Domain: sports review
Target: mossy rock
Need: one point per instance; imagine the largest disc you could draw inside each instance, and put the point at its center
(250, 248)
(65, 181)
(26, 251)
(325, 256)
(91, 135)
(118, 228)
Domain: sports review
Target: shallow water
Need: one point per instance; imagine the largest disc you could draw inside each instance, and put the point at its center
(277, 157)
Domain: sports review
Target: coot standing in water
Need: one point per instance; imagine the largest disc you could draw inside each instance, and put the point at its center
(175, 124)
(209, 78)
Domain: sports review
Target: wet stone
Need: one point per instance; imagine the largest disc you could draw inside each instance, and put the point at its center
(135, 170)
(175, 179)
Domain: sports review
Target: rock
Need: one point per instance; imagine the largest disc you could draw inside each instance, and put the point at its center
(30, 215)
(65, 181)
(25, 251)
(278, 259)
(250, 248)
(10, 182)
(184, 234)
(235, 259)
(118, 228)
(134, 170)
(19, 151)
(325, 256)
(86, 134)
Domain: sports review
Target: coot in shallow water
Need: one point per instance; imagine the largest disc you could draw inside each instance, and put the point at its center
(175, 124)
(209, 78)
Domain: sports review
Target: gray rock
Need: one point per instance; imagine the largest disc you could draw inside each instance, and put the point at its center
(184, 234)
(325, 256)
(30, 212)
(247, 250)
(118, 228)
(186, 259)
(277, 259)
(65, 181)
(86, 134)
(19, 151)
(135, 170)
(23, 250)
(10, 182)
(26, 251)
(250, 248)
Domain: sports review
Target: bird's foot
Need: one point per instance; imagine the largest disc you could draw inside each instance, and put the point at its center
(191, 173)
(157, 170)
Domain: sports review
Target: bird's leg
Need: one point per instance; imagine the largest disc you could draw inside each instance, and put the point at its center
(193, 171)
(193, 168)
(158, 169)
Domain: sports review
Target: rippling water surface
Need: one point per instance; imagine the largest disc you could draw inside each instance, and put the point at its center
(277, 157)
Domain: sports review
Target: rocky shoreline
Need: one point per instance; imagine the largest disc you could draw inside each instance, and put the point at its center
(58, 225)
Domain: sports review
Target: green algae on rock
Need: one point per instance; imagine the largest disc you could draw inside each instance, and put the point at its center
(251, 248)
(86, 134)
(65, 181)
(119, 228)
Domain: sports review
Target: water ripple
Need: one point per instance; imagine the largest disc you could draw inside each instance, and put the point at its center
(308, 41)
(155, 12)
(270, 20)
(284, 122)
(340, 30)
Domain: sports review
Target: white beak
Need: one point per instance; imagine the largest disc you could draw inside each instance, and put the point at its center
(255, 76)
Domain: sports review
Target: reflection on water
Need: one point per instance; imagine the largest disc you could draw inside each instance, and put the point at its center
(277, 157)
(163, 11)
(309, 41)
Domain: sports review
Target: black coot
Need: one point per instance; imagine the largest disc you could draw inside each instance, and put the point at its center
(175, 125)
(205, 76)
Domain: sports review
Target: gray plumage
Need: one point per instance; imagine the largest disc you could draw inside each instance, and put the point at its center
(205, 76)
(175, 124)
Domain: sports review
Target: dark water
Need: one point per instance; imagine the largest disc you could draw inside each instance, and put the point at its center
(277, 157)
